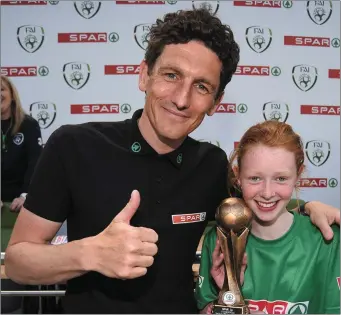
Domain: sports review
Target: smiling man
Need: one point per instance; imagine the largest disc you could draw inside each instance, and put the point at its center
(135, 257)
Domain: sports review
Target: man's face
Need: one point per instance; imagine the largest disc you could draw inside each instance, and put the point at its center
(181, 89)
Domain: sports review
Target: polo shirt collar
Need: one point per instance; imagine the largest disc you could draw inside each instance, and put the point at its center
(138, 145)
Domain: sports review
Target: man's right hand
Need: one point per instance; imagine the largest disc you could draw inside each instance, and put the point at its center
(123, 251)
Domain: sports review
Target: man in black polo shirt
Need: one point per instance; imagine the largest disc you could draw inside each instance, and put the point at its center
(139, 259)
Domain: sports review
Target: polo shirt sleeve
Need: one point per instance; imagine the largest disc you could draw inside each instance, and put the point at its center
(49, 194)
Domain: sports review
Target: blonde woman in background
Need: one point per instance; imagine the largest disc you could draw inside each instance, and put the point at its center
(20, 150)
(21, 146)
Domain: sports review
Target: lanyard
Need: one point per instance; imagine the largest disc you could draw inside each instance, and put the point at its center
(3, 142)
(4, 138)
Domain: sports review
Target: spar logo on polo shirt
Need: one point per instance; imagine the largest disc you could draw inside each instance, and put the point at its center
(338, 281)
(188, 218)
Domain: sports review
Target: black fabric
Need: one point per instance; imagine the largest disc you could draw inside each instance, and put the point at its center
(86, 175)
(19, 155)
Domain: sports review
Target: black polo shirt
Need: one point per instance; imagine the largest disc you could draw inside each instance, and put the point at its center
(86, 175)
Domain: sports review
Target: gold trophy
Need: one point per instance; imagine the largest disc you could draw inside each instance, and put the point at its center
(234, 219)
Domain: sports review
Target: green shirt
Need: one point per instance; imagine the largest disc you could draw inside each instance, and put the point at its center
(299, 273)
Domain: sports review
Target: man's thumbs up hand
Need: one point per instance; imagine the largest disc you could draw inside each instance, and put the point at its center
(130, 209)
(123, 251)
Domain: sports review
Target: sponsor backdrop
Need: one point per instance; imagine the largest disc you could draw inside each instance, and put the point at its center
(78, 61)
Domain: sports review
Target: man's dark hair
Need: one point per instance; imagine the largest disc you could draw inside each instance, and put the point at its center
(199, 24)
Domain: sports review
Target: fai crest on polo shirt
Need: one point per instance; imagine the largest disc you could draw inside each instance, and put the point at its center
(18, 139)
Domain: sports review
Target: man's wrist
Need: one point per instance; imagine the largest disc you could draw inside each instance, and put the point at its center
(23, 195)
(86, 258)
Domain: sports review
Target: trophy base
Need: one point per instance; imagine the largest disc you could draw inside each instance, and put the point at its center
(224, 309)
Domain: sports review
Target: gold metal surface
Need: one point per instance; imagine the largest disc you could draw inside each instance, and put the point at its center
(234, 219)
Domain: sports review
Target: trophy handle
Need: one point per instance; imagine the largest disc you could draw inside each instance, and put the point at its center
(233, 248)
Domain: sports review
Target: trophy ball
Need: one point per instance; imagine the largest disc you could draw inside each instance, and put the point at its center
(233, 214)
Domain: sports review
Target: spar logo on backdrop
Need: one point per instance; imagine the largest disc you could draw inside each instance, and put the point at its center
(141, 32)
(319, 11)
(25, 71)
(258, 70)
(334, 73)
(18, 2)
(43, 112)
(231, 108)
(317, 182)
(304, 77)
(275, 110)
(88, 37)
(4, 2)
(76, 74)
(258, 38)
(264, 4)
(311, 41)
(146, 2)
(30, 37)
(87, 9)
(212, 6)
(320, 110)
(100, 108)
(317, 151)
(121, 69)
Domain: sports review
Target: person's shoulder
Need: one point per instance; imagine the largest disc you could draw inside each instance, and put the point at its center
(311, 232)
(209, 151)
(211, 232)
(89, 130)
(29, 121)
(210, 237)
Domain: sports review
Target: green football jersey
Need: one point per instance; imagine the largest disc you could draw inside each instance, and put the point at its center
(299, 273)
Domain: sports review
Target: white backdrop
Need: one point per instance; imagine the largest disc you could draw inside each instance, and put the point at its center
(74, 62)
